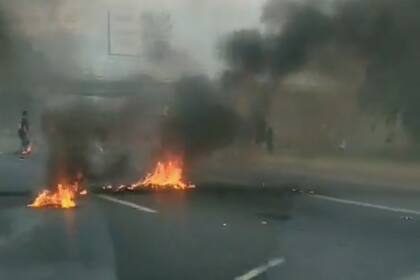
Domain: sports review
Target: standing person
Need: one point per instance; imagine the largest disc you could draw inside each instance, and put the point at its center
(23, 132)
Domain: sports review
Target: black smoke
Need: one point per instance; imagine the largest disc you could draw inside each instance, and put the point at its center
(381, 36)
(285, 51)
(197, 122)
(79, 131)
(69, 132)
(307, 29)
(244, 51)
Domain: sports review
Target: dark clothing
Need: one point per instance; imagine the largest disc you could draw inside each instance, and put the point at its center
(23, 133)
(24, 140)
(24, 124)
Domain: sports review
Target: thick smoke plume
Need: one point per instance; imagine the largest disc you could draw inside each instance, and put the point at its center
(380, 35)
(56, 49)
(195, 123)
(198, 121)
(70, 133)
(98, 138)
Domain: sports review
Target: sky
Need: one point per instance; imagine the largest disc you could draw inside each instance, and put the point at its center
(73, 34)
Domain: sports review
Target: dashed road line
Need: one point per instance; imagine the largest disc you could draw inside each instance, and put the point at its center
(128, 204)
(261, 269)
(368, 205)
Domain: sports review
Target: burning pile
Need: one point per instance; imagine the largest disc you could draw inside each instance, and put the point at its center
(166, 175)
(63, 197)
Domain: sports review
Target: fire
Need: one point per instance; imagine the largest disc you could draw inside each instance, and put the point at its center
(63, 197)
(166, 174)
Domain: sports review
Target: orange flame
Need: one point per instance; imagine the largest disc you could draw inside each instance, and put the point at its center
(63, 197)
(166, 175)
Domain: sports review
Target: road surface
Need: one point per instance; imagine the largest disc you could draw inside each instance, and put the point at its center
(216, 231)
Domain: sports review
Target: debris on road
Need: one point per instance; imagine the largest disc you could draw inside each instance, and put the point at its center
(407, 218)
(263, 222)
(303, 191)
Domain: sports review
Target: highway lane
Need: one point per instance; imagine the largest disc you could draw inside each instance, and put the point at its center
(193, 235)
(224, 234)
(221, 233)
(216, 231)
(53, 244)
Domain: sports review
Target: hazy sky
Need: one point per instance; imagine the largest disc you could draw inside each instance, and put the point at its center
(73, 33)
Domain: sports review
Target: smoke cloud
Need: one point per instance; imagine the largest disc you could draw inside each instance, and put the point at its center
(198, 122)
(195, 124)
(380, 35)
(23, 71)
(53, 50)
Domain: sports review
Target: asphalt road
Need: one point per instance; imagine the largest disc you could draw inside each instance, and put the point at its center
(216, 231)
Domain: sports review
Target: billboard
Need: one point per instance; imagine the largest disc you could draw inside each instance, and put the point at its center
(124, 33)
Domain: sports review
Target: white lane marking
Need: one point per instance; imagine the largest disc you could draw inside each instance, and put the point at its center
(261, 269)
(129, 204)
(369, 205)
